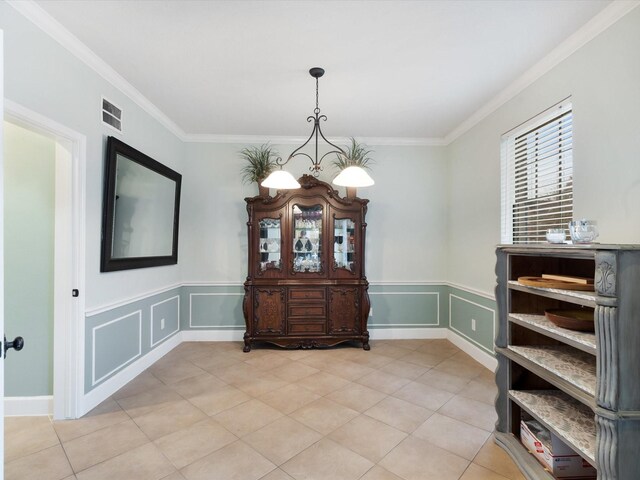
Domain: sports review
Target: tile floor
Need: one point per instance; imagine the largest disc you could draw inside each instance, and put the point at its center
(406, 410)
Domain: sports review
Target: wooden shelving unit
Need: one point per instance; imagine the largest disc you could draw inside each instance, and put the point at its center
(583, 387)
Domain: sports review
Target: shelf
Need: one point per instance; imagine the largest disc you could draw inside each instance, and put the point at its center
(569, 420)
(565, 367)
(586, 299)
(539, 323)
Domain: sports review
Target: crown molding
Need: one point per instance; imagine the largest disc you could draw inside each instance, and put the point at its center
(40, 18)
(594, 27)
(280, 140)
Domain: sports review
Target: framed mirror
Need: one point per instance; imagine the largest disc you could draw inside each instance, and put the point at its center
(141, 208)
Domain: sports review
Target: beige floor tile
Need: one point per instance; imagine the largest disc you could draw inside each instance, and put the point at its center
(400, 414)
(409, 344)
(216, 362)
(476, 472)
(452, 435)
(27, 435)
(96, 447)
(283, 439)
(48, 464)
(404, 369)
(104, 415)
(175, 371)
(237, 372)
(293, 371)
(461, 369)
(442, 348)
(259, 386)
(142, 463)
(190, 387)
(494, 458)
(277, 474)
(169, 419)
(174, 476)
(357, 397)
(267, 362)
(369, 359)
(142, 383)
(148, 401)
(318, 359)
(324, 415)
(322, 383)
(379, 473)
(368, 437)
(427, 360)
(423, 395)
(389, 350)
(192, 443)
(415, 459)
(247, 417)
(347, 369)
(297, 354)
(289, 398)
(478, 414)
(219, 399)
(233, 462)
(383, 382)
(443, 381)
(313, 464)
(480, 391)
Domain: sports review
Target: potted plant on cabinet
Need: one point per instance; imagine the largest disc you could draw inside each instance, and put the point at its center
(355, 155)
(260, 162)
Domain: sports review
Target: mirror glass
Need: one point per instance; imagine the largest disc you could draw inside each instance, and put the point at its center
(143, 215)
(141, 207)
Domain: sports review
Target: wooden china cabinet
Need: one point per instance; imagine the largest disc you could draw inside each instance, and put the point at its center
(306, 285)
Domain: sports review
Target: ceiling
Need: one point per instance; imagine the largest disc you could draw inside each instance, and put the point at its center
(394, 69)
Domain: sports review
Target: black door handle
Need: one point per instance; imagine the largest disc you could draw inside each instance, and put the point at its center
(16, 344)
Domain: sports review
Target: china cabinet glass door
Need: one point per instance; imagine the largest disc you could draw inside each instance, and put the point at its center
(270, 243)
(344, 243)
(307, 238)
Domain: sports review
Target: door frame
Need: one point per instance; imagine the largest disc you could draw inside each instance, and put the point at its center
(69, 270)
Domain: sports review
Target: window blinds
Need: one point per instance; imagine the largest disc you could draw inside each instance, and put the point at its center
(537, 176)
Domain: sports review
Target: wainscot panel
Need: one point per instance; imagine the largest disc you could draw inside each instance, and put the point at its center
(407, 306)
(466, 308)
(115, 338)
(213, 307)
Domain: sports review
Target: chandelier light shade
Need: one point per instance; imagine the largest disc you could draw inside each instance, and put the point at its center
(281, 180)
(349, 177)
(353, 177)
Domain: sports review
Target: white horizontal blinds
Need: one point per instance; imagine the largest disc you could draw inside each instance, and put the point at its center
(538, 177)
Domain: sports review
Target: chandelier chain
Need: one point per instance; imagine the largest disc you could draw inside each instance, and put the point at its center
(317, 110)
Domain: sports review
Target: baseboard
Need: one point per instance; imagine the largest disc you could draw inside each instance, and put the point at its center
(227, 335)
(472, 350)
(103, 391)
(28, 406)
(407, 333)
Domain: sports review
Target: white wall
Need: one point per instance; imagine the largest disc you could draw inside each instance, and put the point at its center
(406, 236)
(44, 77)
(603, 79)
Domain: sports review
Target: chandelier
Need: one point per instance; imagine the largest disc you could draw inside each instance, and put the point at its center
(352, 176)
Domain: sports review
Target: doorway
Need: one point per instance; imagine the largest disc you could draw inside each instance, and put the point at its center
(45, 263)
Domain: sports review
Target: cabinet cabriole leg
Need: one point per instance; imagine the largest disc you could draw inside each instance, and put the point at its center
(247, 344)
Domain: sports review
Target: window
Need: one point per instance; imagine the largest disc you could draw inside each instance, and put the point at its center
(537, 176)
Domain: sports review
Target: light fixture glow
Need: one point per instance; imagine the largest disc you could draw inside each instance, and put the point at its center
(353, 177)
(280, 180)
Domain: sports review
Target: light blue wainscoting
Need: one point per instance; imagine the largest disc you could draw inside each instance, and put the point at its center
(408, 306)
(212, 307)
(120, 336)
(466, 307)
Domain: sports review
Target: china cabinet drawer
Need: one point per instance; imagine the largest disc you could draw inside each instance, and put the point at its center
(306, 294)
(308, 310)
(307, 328)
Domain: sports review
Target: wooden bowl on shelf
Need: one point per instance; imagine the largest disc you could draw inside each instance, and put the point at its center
(577, 319)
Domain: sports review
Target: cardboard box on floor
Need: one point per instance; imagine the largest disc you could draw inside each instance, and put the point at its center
(555, 455)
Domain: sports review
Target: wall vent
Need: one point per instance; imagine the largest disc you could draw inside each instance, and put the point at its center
(111, 115)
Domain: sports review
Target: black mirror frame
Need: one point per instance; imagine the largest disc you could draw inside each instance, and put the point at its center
(107, 263)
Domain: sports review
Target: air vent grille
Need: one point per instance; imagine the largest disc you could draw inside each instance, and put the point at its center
(111, 115)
